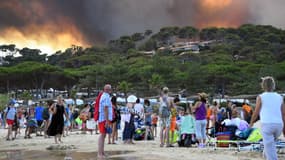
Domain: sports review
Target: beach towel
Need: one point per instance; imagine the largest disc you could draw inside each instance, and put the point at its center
(96, 106)
(78, 121)
(187, 125)
(255, 136)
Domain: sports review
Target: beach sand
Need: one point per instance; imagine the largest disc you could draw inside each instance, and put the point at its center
(86, 147)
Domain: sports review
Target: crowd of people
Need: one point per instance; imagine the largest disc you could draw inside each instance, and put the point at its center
(194, 122)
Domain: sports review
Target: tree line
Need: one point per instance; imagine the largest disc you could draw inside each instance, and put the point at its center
(231, 66)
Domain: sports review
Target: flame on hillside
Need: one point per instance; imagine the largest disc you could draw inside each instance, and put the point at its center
(31, 25)
(220, 13)
(47, 38)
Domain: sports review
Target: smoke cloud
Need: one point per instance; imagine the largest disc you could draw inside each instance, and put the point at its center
(58, 24)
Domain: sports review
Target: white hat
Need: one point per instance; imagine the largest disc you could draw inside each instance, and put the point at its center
(132, 99)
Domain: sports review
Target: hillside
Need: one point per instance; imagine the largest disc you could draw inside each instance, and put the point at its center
(217, 61)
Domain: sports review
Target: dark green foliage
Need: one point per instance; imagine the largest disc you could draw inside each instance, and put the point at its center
(233, 63)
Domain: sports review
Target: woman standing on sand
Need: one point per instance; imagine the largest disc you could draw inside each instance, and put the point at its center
(271, 109)
(201, 121)
(112, 136)
(128, 117)
(57, 121)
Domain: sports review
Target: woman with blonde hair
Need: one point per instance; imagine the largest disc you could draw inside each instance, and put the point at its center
(271, 109)
(201, 121)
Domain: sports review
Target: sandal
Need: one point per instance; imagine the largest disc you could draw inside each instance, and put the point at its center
(8, 139)
(161, 145)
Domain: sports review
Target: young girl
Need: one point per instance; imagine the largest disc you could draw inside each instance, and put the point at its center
(173, 115)
(154, 119)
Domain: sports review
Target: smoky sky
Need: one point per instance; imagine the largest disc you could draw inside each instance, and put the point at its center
(102, 20)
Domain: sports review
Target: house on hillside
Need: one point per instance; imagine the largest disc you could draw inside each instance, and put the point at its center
(186, 47)
(148, 53)
(3, 62)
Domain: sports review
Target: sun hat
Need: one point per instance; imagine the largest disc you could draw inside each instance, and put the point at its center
(165, 89)
(132, 99)
(203, 95)
(12, 102)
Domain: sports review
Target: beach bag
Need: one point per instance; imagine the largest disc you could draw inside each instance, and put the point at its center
(96, 106)
(255, 136)
(175, 137)
(150, 137)
(91, 124)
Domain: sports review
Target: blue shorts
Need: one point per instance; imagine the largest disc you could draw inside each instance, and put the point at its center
(148, 124)
(118, 125)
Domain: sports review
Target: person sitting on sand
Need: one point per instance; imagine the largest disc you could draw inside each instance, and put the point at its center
(187, 127)
(31, 122)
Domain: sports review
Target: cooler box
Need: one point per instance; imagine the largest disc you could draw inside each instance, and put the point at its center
(223, 136)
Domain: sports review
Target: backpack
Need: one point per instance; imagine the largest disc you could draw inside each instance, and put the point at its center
(164, 109)
(8, 109)
(96, 106)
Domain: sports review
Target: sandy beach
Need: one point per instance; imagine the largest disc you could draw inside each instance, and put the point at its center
(84, 146)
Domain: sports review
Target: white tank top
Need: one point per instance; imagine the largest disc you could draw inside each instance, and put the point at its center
(271, 107)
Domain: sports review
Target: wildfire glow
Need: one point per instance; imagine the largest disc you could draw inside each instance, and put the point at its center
(220, 13)
(46, 38)
(216, 4)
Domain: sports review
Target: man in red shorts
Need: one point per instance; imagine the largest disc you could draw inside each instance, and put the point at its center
(105, 117)
(10, 113)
